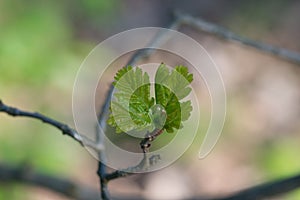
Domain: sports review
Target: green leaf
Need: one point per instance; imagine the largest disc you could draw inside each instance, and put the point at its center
(184, 72)
(187, 107)
(133, 109)
(131, 106)
(169, 89)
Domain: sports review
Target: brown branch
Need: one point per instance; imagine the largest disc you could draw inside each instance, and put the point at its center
(211, 28)
(145, 162)
(159, 39)
(101, 129)
(64, 128)
(146, 142)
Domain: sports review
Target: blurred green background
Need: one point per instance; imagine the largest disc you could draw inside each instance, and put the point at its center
(42, 44)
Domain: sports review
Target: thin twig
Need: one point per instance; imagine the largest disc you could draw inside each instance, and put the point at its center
(145, 162)
(146, 142)
(208, 27)
(159, 39)
(66, 130)
(101, 129)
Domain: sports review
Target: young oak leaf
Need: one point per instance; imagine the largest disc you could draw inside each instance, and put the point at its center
(169, 89)
(132, 103)
(134, 109)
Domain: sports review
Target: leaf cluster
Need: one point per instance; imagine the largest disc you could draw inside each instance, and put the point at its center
(133, 108)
